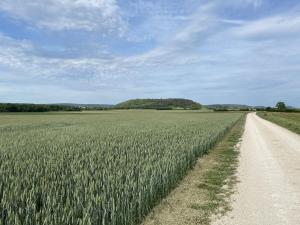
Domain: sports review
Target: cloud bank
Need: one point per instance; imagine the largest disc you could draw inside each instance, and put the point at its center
(105, 51)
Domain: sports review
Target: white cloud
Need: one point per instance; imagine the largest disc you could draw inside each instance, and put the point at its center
(19, 63)
(271, 27)
(255, 3)
(244, 3)
(89, 15)
(200, 52)
(12, 52)
(179, 48)
(176, 51)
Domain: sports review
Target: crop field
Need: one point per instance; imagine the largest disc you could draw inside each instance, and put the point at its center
(288, 120)
(108, 168)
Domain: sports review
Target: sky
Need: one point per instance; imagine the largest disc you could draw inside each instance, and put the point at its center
(108, 51)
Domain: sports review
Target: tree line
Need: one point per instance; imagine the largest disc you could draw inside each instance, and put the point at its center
(17, 107)
(281, 107)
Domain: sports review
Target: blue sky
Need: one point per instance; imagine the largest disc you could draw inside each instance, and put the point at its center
(107, 51)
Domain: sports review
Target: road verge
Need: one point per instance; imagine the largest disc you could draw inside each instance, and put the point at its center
(206, 190)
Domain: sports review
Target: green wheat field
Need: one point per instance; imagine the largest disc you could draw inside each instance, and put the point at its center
(106, 168)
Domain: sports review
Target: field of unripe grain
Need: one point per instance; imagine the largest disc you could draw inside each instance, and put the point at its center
(108, 168)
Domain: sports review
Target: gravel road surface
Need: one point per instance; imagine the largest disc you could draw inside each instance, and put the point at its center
(269, 173)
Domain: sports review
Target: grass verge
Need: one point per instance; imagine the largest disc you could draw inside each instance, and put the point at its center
(290, 121)
(218, 181)
(206, 190)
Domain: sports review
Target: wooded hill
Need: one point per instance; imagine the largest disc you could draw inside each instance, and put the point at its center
(160, 104)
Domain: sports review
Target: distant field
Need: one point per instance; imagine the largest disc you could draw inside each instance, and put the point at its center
(290, 121)
(107, 168)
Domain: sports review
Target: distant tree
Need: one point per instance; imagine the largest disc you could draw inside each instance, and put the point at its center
(280, 106)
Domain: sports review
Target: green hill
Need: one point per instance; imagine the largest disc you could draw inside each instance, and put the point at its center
(171, 103)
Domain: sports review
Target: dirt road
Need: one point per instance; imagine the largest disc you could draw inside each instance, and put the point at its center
(269, 174)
